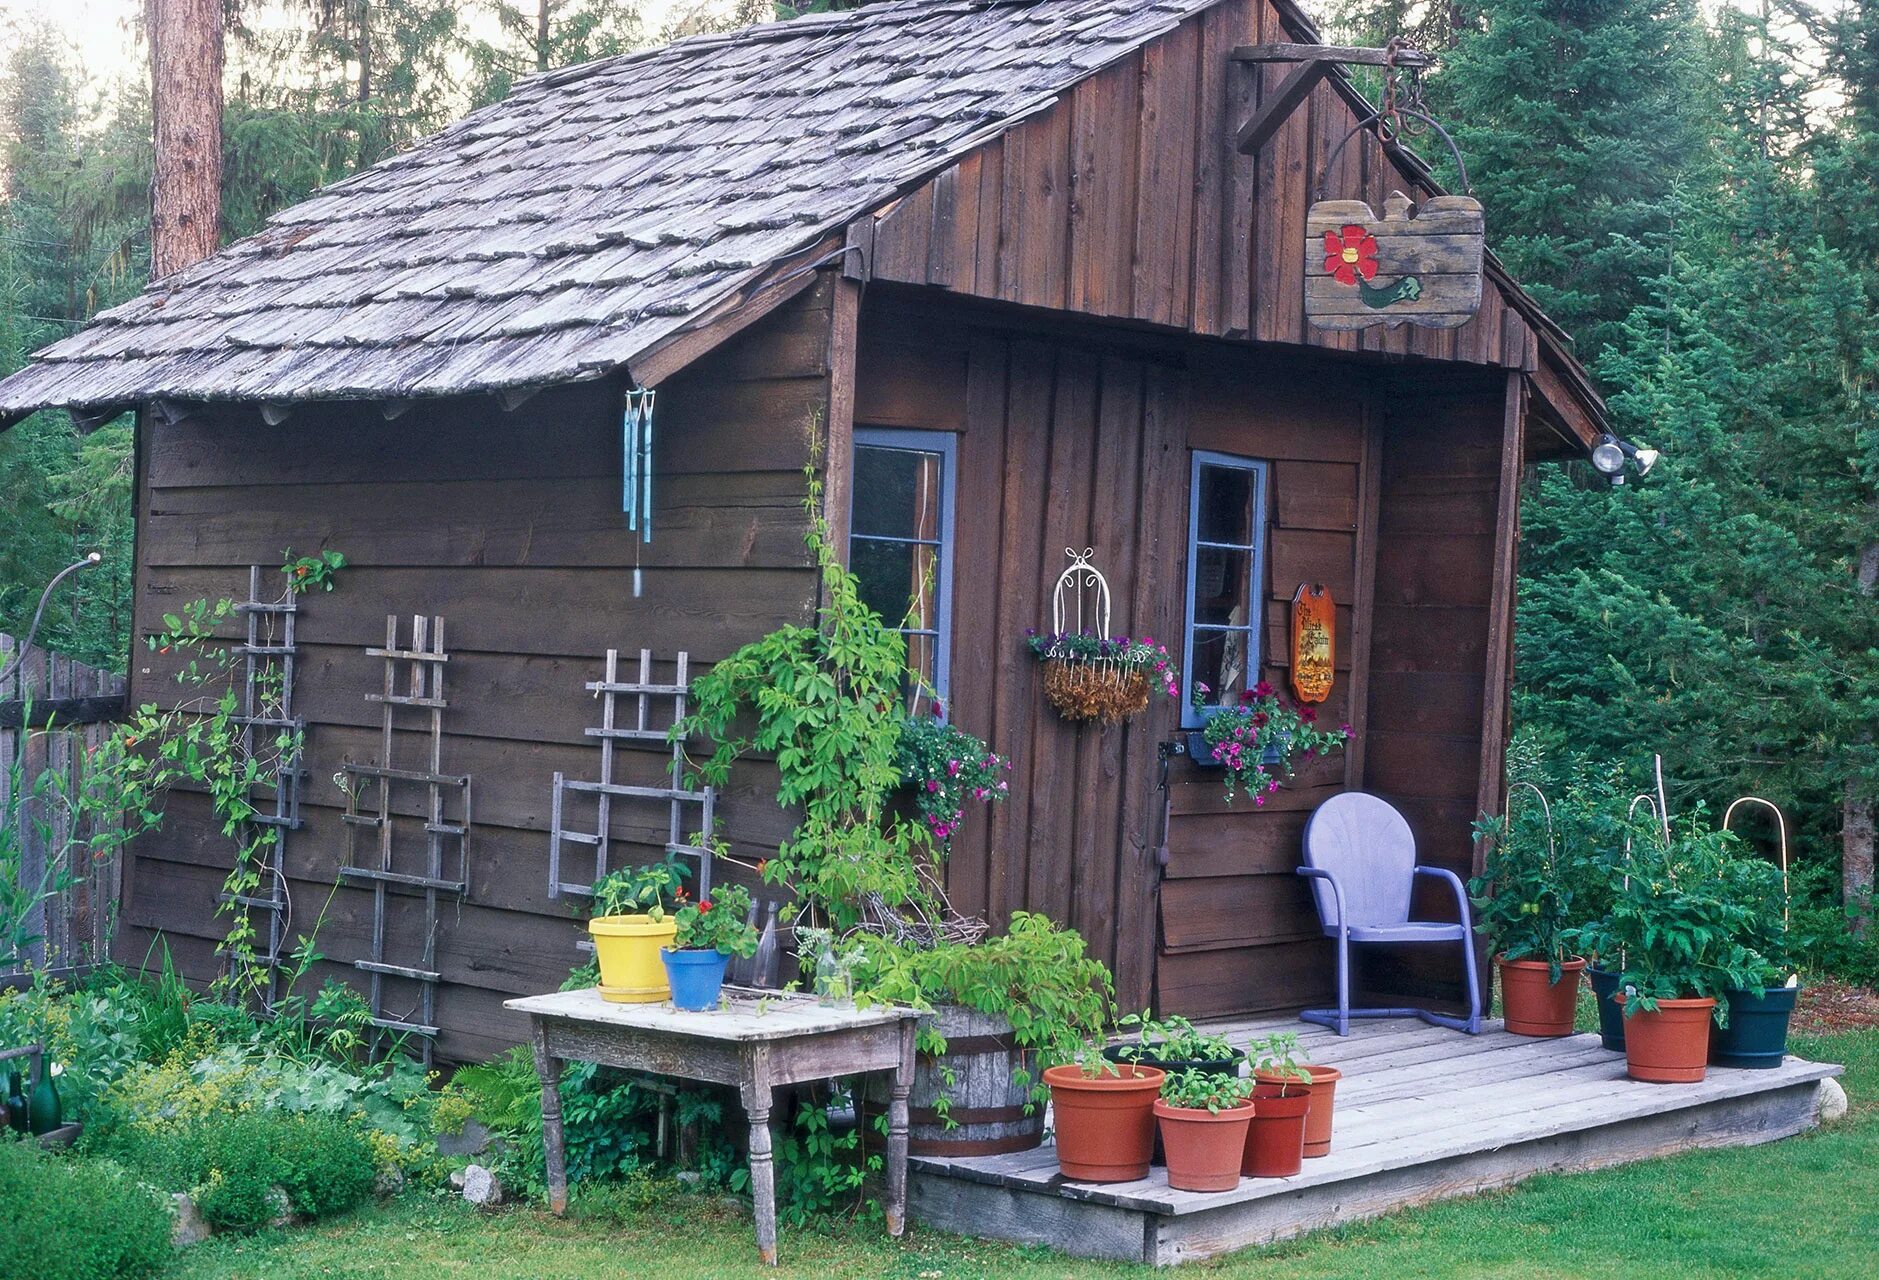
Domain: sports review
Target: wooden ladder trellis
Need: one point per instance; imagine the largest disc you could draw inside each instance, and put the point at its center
(421, 689)
(267, 709)
(610, 732)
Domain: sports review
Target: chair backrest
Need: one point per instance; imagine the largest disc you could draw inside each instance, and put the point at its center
(1367, 845)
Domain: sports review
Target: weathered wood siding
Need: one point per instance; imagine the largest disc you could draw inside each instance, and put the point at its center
(1431, 660)
(1129, 199)
(1083, 438)
(509, 526)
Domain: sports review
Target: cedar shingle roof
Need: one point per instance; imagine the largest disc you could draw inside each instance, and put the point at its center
(560, 233)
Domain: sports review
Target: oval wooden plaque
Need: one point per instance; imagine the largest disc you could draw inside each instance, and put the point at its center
(1314, 653)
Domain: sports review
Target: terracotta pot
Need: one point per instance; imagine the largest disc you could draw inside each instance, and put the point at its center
(1323, 1094)
(1105, 1124)
(1532, 1004)
(1275, 1141)
(1670, 1045)
(1204, 1147)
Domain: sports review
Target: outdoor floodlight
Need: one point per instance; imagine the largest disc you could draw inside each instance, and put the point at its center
(1610, 455)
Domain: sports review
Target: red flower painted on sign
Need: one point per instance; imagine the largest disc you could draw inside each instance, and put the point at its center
(1350, 254)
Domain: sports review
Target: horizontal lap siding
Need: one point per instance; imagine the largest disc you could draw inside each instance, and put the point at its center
(1130, 199)
(509, 526)
(1429, 659)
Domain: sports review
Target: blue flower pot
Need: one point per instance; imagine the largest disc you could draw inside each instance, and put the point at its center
(696, 977)
(1757, 1035)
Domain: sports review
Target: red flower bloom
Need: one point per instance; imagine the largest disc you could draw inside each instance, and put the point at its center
(1262, 690)
(1307, 714)
(1350, 254)
(704, 906)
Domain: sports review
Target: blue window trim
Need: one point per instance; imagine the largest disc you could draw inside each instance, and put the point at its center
(946, 445)
(1256, 622)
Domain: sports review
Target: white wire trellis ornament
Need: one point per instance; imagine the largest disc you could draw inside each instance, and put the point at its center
(1080, 579)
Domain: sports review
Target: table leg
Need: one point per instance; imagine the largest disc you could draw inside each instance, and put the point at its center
(897, 1134)
(762, 1170)
(553, 1148)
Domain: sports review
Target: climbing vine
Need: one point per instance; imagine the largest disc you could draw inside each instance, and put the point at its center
(202, 740)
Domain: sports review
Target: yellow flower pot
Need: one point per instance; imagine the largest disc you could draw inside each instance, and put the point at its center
(628, 950)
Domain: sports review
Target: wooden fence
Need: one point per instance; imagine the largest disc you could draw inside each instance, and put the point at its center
(71, 709)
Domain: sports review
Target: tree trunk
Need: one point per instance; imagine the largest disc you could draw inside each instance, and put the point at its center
(186, 110)
(542, 14)
(1856, 857)
(365, 52)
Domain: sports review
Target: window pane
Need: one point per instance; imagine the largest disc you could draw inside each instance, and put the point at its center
(1220, 664)
(1222, 585)
(897, 492)
(1226, 505)
(923, 659)
(891, 574)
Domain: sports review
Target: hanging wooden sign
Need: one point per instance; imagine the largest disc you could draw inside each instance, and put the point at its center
(1417, 265)
(1314, 654)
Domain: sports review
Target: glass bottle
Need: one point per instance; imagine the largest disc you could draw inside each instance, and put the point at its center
(44, 1112)
(16, 1102)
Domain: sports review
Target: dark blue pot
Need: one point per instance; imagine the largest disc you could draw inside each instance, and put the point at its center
(1611, 1014)
(1757, 1035)
(696, 977)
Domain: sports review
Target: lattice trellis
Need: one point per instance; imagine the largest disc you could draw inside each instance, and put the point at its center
(267, 652)
(611, 732)
(414, 683)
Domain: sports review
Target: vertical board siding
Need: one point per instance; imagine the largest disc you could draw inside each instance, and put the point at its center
(509, 526)
(1435, 585)
(73, 926)
(1083, 439)
(1129, 198)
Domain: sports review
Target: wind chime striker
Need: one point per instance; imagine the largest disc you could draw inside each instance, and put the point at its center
(636, 471)
(1417, 264)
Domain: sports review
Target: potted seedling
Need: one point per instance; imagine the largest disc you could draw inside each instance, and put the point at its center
(709, 932)
(1754, 1030)
(630, 926)
(1282, 1094)
(1523, 907)
(1204, 1118)
(1680, 934)
(1175, 1045)
(1104, 1115)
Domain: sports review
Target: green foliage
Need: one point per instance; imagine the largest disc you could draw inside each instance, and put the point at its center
(69, 1219)
(1678, 925)
(1279, 1054)
(1171, 1039)
(231, 1163)
(718, 923)
(818, 1170)
(645, 890)
(943, 765)
(1037, 976)
(1198, 1090)
(1523, 898)
(304, 573)
(826, 705)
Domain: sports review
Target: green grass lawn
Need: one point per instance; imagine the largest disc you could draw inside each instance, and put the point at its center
(1806, 1207)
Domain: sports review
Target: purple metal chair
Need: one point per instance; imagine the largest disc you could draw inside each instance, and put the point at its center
(1361, 859)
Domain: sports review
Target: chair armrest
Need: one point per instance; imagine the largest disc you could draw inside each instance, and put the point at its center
(1337, 891)
(1461, 892)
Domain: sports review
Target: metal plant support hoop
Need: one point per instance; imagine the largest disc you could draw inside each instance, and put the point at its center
(1781, 827)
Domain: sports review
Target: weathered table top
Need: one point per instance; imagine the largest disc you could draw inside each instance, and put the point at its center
(748, 1015)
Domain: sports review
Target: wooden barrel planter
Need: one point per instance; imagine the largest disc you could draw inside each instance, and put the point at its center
(986, 1108)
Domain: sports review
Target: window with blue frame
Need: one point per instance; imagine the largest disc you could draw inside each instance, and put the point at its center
(900, 541)
(1226, 565)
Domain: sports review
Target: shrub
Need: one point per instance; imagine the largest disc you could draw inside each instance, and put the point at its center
(69, 1219)
(230, 1163)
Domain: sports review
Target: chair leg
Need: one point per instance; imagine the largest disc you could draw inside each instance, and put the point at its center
(1343, 982)
(1474, 986)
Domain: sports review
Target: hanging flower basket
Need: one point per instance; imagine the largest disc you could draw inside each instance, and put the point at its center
(1087, 674)
(1103, 680)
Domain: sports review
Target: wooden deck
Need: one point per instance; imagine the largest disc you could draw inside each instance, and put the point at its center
(1422, 1114)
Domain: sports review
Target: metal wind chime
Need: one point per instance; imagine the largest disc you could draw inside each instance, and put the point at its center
(636, 472)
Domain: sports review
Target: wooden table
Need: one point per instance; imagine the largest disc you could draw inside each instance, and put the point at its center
(758, 1042)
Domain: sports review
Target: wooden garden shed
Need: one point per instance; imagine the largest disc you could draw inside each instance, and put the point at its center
(1002, 272)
